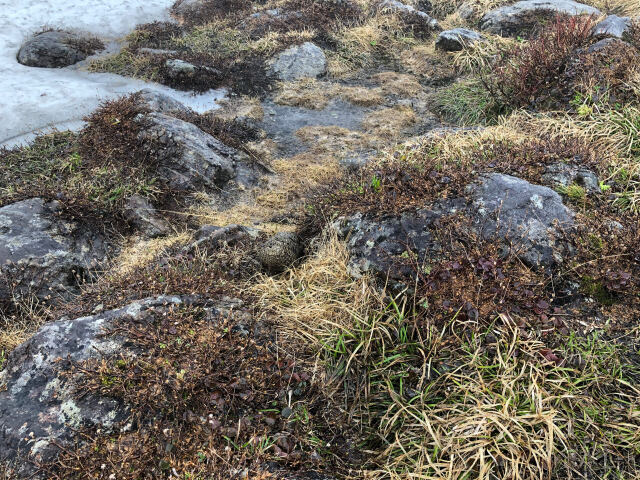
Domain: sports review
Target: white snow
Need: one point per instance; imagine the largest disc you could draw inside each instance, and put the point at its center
(36, 99)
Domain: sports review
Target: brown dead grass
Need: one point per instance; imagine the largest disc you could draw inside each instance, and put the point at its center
(394, 83)
(389, 122)
(428, 62)
(315, 95)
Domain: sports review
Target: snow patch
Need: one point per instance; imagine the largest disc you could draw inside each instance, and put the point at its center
(36, 99)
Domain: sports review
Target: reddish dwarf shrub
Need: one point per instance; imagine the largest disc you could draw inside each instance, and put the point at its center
(531, 73)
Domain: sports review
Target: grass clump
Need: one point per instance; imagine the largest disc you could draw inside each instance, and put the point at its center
(459, 398)
(468, 103)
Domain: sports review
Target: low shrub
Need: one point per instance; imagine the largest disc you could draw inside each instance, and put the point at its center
(531, 73)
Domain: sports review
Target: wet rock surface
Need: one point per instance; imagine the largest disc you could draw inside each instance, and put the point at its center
(522, 16)
(43, 254)
(56, 49)
(281, 122)
(39, 408)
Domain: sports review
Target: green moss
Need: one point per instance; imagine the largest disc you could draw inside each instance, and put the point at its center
(574, 192)
(596, 290)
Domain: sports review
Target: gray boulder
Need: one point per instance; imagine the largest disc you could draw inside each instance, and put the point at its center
(457, 39)
(191, 159)
(298, 62)
(56, 49)
(140, 213)
(410, 12)
(39, 407)
(530, 219)
(375, 244)
(41, 254)
(159, 102)
(522, 16)
(565, 174)
(280, 251)
(612, 26)
(467, 10)
(526, 218)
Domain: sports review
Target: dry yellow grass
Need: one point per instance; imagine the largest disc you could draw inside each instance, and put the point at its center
(232, 108)
(138, 252)
(315, 95)
(389, 122)
(508, 414)
(394, 83)
(425, 60)
(359, 46)
(29, 317)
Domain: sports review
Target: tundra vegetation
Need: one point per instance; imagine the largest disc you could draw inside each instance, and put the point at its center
(397, 330)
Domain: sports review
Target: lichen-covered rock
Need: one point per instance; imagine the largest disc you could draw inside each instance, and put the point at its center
(56, 49)
(140, 213)
(189, 158)
(612, 26)
(298, 62)
(180, 71)
(409, 12)
(565, 174)
(529, 219)
(43, 254)
(38, 406)
(457, 39)
(213, 237)
(522, 16)
(374, 243)
(280, 251)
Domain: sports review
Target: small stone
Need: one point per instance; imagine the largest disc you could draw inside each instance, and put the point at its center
(280, 251)
(612, 26)
(140, 213)
(179, 68)
(287, 412)
(457, 39)
(395, 6)
(159, 102)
